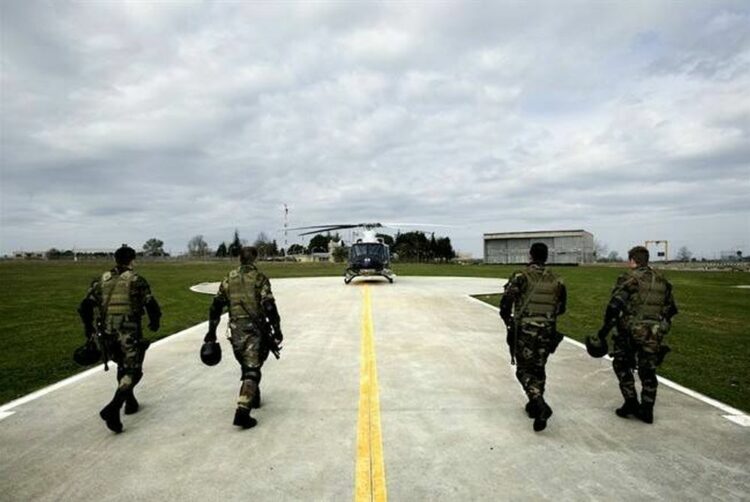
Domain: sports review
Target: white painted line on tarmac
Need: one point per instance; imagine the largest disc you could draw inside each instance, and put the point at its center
(6, 409)
(742, 420)
(732, 414)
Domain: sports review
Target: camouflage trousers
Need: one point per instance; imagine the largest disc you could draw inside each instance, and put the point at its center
(534, 343)
(126, 348)
(637, 347)
(251, 353)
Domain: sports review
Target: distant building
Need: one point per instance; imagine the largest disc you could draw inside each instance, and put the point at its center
(731, 256)
(30, 255)
(70, 254)
(566, 247)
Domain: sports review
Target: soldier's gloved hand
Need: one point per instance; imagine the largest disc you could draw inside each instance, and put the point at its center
(210, 336)
(154, 324)
(277, 336)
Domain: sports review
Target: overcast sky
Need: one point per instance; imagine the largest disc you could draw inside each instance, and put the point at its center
(125, 121)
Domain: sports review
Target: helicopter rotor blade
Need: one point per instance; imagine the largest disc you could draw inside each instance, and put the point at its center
(390, 224)
(329, 229)
(331, 225)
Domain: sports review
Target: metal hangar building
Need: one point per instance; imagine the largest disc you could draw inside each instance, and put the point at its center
(566, 247)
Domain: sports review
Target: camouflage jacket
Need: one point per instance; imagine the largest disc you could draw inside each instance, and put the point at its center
(534, 294)
(643, 296)
(119, 294)
(243, 291)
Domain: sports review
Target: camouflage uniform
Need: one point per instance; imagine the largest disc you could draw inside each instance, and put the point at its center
(118, 301)
(644, 299)
(536, 297)
(246, 291)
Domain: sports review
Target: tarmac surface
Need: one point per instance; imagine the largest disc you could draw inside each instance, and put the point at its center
(451, 412)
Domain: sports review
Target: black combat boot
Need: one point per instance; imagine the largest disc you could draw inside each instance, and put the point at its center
(530, 411)
(111, 413)
(629, 407)
(243, 419)
(646, 412)
(256, 400)
(543, 412)
(131, 404)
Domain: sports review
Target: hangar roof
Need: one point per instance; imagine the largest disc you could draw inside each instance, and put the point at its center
(536, 234)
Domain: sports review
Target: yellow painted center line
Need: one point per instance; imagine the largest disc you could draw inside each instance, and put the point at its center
(370, 474)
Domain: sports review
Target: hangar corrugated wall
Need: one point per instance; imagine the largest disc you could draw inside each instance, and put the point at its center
(566, 247)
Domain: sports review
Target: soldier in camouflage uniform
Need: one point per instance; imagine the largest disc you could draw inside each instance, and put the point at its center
(642, 307)
(111, 313)
(253, 318)
(532, 300)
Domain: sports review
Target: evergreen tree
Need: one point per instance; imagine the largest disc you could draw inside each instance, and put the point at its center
(153, 247)
(319, 242)
(296, 249)
(236, 245)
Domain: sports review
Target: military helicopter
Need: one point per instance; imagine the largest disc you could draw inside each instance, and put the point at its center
(368, 256)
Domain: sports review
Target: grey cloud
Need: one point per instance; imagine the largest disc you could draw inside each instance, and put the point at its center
(133, 120)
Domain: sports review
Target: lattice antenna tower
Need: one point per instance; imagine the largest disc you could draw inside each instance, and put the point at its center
(286, 226)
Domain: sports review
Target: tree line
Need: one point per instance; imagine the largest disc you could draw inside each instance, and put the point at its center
(267, 247)
(416, 246)
(603, 255)
(410, 246)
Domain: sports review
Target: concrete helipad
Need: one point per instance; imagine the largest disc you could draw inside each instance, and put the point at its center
(401, 389)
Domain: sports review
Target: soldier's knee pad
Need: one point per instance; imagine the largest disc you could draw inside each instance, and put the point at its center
(253, 374)
(126, 383)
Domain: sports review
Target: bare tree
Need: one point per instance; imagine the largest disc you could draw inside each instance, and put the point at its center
(684, 254)
(197, 246)
(265, 246)
(600, 250)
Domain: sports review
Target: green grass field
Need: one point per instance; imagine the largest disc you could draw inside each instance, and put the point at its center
(40, 326)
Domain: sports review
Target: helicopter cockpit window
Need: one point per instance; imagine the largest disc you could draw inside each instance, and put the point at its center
(368, 249)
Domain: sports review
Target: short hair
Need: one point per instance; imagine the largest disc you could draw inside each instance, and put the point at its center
(124, 255)
(539, 252)
(248, 254)
(639, 255)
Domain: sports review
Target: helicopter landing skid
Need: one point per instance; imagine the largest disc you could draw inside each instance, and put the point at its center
(349, 276)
